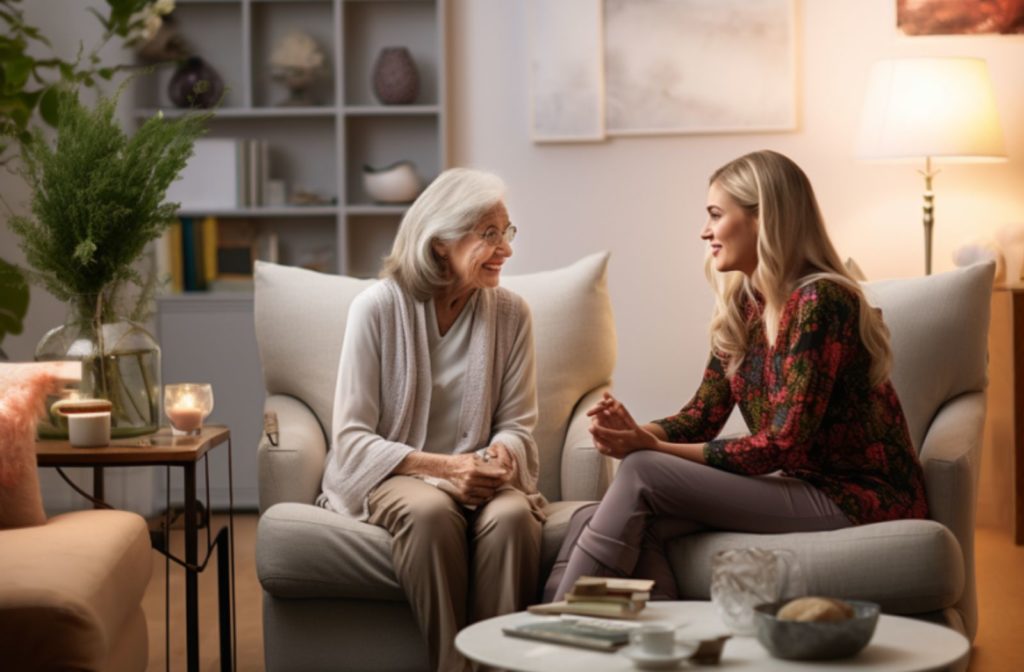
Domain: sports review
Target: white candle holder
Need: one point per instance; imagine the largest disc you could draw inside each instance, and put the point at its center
(186, 406)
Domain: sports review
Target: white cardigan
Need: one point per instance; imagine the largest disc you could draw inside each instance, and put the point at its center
(382, 399)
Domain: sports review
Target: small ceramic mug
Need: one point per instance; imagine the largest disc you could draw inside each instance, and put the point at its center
(654, 639)
(89, 430)
(88, 421)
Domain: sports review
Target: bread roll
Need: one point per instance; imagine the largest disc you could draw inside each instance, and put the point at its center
(815, 609)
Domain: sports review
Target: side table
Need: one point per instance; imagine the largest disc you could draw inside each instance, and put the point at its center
(164, 449)
(899, 645)
(1001, 482)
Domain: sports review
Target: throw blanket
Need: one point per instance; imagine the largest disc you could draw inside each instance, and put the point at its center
(23, 387)
(382, 400)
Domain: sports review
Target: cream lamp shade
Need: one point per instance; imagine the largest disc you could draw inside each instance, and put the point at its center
(939, 109)
(942, 108)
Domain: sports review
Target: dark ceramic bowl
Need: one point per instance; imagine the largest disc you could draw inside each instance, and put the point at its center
(809, 640)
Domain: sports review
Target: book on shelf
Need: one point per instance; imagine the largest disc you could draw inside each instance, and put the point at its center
(168, 259)
(212, 254)
(223, 174)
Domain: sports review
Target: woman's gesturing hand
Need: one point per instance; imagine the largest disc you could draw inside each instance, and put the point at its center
(474, 479)
(615, 432)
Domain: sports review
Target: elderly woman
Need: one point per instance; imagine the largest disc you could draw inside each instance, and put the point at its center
(434, 413)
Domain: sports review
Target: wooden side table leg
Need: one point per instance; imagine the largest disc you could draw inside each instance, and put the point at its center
(191, 573)
(1017, 456)
(97, 486)
(224, 570)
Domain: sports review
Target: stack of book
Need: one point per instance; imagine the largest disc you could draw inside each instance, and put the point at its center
(604, 597)
(223, 174)
(210, 254)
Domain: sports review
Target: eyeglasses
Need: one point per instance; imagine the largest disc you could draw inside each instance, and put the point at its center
(493, 237)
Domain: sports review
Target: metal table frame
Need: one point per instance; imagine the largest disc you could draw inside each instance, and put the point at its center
(163, 449)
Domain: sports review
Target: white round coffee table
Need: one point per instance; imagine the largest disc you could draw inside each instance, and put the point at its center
(899, 645)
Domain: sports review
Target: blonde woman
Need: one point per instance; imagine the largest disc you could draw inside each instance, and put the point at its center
(434, 414)
(795, 344)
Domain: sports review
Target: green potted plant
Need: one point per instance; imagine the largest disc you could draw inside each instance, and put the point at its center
(97, 201)
(13, 302)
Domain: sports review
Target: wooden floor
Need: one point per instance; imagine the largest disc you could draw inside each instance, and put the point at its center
(248, 606)
(1000, 574)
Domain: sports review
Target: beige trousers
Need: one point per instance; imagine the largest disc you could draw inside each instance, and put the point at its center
(435, 543)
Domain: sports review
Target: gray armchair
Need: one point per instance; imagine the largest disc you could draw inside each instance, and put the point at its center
(331, 600)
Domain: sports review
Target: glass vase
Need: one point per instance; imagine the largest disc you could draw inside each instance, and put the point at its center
(120, 363)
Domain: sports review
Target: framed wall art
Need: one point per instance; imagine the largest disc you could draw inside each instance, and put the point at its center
(960, 17)
(566, 70)
(638, 67)
(699, 66)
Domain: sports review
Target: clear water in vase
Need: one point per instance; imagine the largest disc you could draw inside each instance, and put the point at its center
(127, 374)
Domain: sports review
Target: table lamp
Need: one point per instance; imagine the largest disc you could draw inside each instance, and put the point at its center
(936, 109)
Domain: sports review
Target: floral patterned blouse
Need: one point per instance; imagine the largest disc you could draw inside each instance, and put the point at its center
(811, 410)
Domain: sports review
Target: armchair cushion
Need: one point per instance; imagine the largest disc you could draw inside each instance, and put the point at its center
(300, 318)
(939, 328)
(907, 566)
(574, 331)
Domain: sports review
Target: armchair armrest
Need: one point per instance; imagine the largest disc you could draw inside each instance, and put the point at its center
(291, 471)
(950, 456)
(586, 473)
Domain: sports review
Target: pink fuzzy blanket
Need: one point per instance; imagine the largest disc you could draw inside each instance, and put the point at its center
(23, 387)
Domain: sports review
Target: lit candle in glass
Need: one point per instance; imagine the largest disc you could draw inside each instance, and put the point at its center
(187, 405)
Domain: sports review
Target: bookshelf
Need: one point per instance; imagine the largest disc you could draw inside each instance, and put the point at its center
(209, 336)
(321, 148)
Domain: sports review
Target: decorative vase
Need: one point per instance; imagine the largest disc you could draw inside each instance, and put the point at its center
(120, 363)
(195, 84)
(397, 183)
(395, 79)
(299, 82)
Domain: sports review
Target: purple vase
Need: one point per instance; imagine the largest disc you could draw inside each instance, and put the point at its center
(195, 84)
(395, 79)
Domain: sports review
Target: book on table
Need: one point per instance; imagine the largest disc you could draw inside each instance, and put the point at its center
(600, 636)
(602, 597)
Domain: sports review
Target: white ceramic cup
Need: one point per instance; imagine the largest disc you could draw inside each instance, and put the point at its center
(89, 430)
(655, 639)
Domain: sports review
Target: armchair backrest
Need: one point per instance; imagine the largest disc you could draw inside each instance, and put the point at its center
(300, 321)
(939, 328)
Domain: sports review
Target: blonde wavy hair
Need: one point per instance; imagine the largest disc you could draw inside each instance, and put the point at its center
(793, 250)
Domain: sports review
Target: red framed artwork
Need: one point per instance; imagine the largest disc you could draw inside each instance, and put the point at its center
(960, 17)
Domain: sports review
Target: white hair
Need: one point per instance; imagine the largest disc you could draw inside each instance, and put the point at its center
(446, 211)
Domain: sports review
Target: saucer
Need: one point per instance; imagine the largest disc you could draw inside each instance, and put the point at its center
(655, 661)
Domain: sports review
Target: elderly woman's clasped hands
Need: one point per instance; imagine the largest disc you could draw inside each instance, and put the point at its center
(478, 476)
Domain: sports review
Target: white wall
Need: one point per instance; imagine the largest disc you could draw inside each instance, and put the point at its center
(643, 198)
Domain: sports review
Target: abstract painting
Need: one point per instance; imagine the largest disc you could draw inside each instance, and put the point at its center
(699, 66)
(960, 17)
(566, 75)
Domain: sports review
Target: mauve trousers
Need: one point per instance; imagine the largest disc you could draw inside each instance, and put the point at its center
(656, 497)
